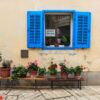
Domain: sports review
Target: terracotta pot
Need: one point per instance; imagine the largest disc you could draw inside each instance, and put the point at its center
(5, 72)
(77, 75)
(23, 76)
(33, 73)
(64, 75)
(40, 76)
(71, 75)
(53, 75)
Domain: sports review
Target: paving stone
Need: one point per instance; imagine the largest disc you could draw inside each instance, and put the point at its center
(87, 93)
(11, 98)
(29, 95)
(3, 96)
(39, 98)
(15, 92)
(60, 99)
(53, 94)
(3, 92)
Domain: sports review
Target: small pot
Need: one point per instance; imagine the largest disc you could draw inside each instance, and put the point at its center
(71, 75)
(33, 73)
(53, 75)
(77, 75)
(64, 75)
(23, 76)
(5, 72)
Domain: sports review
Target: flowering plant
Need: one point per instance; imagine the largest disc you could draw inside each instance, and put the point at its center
(63, 68)
(52, 69)
(33, 66)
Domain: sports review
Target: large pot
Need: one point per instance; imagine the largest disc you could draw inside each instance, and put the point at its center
(5, 72)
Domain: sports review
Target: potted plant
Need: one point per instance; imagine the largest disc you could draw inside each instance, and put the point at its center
(64, 40)
(52, 70)
(78, 70)
(5, 69)
(33, 68)
(64, 70)
(71, 72)
(41, 72)
(19, 72)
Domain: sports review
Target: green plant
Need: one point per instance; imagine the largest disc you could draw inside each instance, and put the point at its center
(33, 67)
(71, 70)
(63, 68)
(78, 69)
(19, 72)
(52, 69)
(42, 71)
(6, 63)
(64, 40)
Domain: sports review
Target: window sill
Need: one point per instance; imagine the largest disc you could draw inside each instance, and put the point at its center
(58, 48)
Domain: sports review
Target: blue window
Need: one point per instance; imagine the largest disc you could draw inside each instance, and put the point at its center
(58, 29)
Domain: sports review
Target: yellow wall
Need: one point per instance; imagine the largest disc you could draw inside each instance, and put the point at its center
(13, 32)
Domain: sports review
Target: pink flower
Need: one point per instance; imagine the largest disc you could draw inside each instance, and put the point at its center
(27, 65)
(36, 62)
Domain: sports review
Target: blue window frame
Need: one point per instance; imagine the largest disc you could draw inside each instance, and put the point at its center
(81, 26)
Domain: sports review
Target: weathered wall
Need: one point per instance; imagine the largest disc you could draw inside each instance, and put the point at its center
(13, 32)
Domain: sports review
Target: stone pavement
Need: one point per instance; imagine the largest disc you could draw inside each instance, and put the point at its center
(87, 93)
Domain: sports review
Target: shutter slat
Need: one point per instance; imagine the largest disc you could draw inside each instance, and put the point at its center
(34, 29)
(82, 29)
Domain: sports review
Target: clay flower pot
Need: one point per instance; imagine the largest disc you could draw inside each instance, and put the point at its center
(5, 72)
(64, 75)
(33, 73)
(53, 75)
(77, 75)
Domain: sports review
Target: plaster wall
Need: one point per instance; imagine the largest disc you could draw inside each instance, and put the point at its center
(13, 33)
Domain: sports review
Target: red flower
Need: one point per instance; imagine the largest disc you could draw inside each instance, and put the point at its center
(1, 98)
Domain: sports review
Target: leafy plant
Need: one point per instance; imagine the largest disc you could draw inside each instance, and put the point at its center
(52, 69)
(42, 71)
(19, 72)
(63, 68)
(71, 70)
(33, 66)
(6, 63)
(64, 40)
(78, 69)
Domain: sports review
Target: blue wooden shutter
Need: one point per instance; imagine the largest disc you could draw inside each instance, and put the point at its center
(81, 29)
(34, 29)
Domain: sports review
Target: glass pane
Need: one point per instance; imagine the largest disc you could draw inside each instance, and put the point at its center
(57, 29)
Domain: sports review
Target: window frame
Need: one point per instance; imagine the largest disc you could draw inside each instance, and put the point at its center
(72, 39)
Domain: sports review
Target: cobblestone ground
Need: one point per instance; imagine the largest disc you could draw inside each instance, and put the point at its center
(87, 93)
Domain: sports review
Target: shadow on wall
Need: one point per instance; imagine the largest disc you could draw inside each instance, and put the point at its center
(0, 57)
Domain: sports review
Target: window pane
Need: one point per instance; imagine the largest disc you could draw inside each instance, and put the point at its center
(57, 29)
